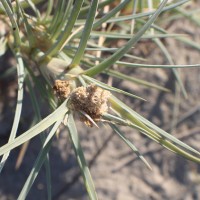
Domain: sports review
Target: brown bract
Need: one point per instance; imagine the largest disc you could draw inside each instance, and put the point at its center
(90, 100)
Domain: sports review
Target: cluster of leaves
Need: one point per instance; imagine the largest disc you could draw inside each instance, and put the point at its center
(61, 42)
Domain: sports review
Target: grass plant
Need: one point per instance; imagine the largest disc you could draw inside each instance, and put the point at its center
(67, 44)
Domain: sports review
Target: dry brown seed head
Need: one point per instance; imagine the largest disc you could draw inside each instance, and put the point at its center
(62, 88)
(92, 100)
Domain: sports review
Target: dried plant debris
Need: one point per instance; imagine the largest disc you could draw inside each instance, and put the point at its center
(62, 89)
(90, 101)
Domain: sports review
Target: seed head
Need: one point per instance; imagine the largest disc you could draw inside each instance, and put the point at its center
(62, 88)
(92, 100)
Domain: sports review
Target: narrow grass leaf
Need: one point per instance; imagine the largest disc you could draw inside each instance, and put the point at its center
(85, 9)
(189, 43)
(20, 74)
(81, 159)
(120, 53)
(110, 88)
(42, 136)
(136, 80)
(131, 145)
(169, 58)
(137, 65)
(43, 88)
(134, 117)
(148, 132)
(89, 118)
(116, 35)
(15, 27)
(53, 24)
(126, 122)
(34, 8)
(66, 32)
(146, 14)
(92, 57)
(28, 27)
(48, 10)
(42, 156)
(37, 129)
(59, 17)
(188, 15)
(106, 17)
(64, 19)
(86, 33)
(182, 39)
(137, 16)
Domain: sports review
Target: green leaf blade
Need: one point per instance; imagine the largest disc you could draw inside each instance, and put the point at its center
(110, 88)
(37, 129)
(86, 32)
(42, 156)
(120, 53)
(20, 93)
(162, 137)
(130, 144)
(81, 159)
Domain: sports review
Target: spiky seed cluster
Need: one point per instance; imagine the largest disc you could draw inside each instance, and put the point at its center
(92, 100)
(62, 88)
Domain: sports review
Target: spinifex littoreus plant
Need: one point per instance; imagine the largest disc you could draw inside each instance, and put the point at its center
(58, 43)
